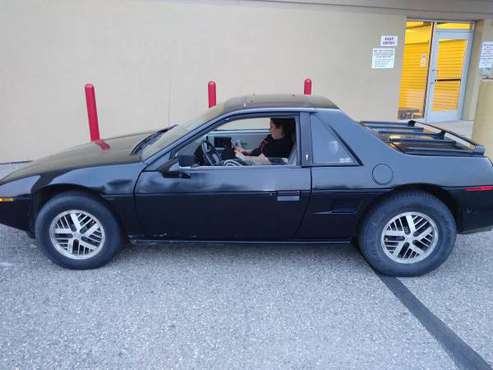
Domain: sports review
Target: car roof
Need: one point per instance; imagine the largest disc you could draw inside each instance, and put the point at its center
(277, 101)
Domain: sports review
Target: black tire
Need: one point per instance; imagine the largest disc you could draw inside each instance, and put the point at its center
(410, 201)
(74, 200)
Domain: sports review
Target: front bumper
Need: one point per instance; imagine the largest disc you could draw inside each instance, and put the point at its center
(16, 213)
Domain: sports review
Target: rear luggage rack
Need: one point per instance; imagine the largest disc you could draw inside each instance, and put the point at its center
(410, 138)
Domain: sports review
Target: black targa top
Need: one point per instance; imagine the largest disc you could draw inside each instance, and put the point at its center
(423, 139)
(278, 101)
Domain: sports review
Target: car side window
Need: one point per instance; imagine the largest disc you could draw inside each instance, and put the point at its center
(246, 141)
(260, 123)
(327, 148)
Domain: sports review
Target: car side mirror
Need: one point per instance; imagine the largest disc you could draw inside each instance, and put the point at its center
(186, 160)
(173, 168)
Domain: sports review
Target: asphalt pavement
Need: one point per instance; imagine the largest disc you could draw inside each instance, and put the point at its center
(248, 307)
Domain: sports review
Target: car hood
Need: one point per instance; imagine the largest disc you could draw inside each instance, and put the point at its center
(110, 151)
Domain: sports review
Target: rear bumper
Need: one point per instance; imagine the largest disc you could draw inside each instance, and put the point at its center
(476, 220)
(475, 211)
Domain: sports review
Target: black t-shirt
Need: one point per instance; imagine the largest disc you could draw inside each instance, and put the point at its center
(280, 148)
(270, 147)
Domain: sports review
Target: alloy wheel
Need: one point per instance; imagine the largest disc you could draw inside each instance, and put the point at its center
(77, 234)
(409, 237)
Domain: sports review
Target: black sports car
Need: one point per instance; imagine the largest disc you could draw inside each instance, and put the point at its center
(400, 191)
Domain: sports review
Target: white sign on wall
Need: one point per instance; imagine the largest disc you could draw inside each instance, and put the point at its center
(388, 40)
(486, 58)
(383, 58)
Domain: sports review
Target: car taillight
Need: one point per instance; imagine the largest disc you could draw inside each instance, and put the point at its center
(480, 188)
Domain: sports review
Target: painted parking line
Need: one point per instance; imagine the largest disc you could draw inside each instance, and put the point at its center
(459, 351)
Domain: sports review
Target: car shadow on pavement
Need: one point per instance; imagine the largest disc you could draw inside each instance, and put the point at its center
(267, 255)
(17, 247)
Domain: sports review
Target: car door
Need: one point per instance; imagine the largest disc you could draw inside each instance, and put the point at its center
(340, 191)
(224, 203)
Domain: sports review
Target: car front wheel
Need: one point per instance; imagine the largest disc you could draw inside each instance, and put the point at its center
(75, 230)
(408, 234)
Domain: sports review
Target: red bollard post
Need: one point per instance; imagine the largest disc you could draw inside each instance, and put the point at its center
(212, 93)
(308, 86)
(92, 112)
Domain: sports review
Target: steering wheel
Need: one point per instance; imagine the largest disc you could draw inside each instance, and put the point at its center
(211, 155)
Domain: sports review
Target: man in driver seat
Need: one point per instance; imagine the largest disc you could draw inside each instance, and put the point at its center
(277, 144)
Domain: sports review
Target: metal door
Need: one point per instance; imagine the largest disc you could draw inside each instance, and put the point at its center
(447, 75)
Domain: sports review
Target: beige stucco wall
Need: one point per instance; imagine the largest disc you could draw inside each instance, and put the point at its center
(151, 60)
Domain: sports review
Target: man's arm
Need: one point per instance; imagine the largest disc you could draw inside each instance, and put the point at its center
(260, 160)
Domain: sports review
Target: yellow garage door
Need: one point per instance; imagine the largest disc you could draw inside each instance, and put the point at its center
(450, 64)
(415, 69)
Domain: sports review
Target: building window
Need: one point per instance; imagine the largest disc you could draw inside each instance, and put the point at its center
(454, 26)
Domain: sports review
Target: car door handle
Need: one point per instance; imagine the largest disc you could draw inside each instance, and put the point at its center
(288, 196)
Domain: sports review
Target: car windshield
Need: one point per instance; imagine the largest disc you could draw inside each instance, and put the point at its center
(179, 131)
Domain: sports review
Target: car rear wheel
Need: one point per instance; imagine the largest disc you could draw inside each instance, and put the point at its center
(408, 234)
(75, 230)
